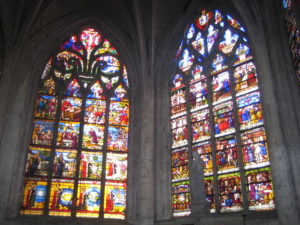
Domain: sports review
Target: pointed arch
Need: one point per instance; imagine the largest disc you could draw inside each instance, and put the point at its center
(77, 157)
(216, 111)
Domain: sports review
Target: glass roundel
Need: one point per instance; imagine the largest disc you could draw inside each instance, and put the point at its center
(77, 157)
(216, 111)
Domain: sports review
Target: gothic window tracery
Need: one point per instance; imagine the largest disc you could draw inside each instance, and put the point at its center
(77, 159)
(216, 110)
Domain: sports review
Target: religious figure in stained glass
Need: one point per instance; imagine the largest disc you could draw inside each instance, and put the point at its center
(77, 157)
(221, 119)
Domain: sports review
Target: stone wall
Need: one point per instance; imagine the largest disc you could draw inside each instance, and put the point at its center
(147, 34)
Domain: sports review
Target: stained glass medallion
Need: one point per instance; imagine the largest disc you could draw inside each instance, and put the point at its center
(78, 149)
(216, 110)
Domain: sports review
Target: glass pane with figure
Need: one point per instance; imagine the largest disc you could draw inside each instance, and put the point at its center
(61, 197)
(223, 118)
(255, 148)
(260, 189)
(38, 161)
(95, 111)
(93, 136)
(221, 88)
(88, 199)
(34, 196)
(46, 107)
(245, 78)
(230, 193)
(42, 133)
(91, 165)
(64, 163)
(67, 135)
(115, 200)
(181, 198)
(227, 156)
(71, 109)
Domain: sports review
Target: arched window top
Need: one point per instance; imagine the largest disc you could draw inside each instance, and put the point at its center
(213, 38)
(85, 58)
(77, 156)
(216, 111)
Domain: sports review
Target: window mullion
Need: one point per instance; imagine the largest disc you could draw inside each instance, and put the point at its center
(103, 175)
(78, 157)
(52, 154)
(238, 139)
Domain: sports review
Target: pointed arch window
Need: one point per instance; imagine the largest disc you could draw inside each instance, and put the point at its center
(77, 157)
(216, 111)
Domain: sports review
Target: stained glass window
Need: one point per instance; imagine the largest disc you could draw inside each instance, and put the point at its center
(216, 111)
(77, 157)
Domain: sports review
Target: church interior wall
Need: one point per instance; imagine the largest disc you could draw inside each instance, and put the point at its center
(147, 34)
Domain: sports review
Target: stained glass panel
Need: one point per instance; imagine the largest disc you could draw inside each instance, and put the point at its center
(179, 136)
(64, 163)
(71, 109)
(180, 173)
(218, 17)
(84, 152)
(260, 189)
(34, 196)
(67, 135)
(120, 94)
(218, 64)
(119, 113)
(212, 36)
(203, 20)
(255, 148)
(197, 73)
(230, 192)
(198, 44)
(223, 118)
(181, 198)
(37, 161)
(227, 156)
(245, 78)
(93, 136)
(191, 32)
(88, 195)
(186, 60)
(46, 107)
(177, 81)
(178, 106)
(73, 89)
(180, 157)
(42, 133)
(201, 131)
(229, 42)
(117, 138)
(96, 91)
(109, 64)
(48, 87)
(198, 95)
(116, 166)
(61, 196)
(91, 165)
(95, 111)
(221, 88)
(209, 191)
(242, 54)
(115, 200)
(223, 125)
(234, 23)
(178, 122)
(90, 39)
